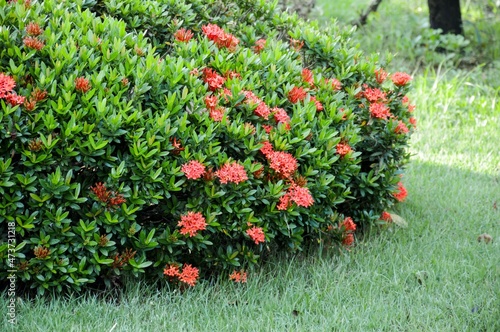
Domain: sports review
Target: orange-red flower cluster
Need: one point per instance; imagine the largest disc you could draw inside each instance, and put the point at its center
(189, 274)
(295, 194)
(413, 121)
(281, 116)
(400, 78)
(349, 224)
(317, 103)
(379, 110)
(401, 128)
(380, 75)
(308, 77)
(193, 169)
(336, 84)
(259, 45)
(262, 110)
(343, 149)
(82, 84)
(7, 84)
(214, 80)
(256, 234)
(220, 37)
(386, 216)
(296, 44)
(401, 193)
(111, 198)
(238, 276)
(33, 29)
(283, 163)
(232, 172)
(191, 223)
(349, 227)
(267, 149)
(374, 95)
(183, 35)
(33, 43)
(297, 94)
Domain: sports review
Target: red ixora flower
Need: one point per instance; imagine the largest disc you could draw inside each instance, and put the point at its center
(82, 84)
(111, 198)
(336, 84)
(189, 275)
(281, 116)
(171, 270)
(259, 45)
(33, 43)
(283, 163)
(267, 149)
(211, 102)
(220, 37)
(191, 223)
(262, 110)
(401, 193)
(256, 234)
(238, 276)
(348, 239)
(374, 95)
(33, 29)
(7, 84)
(343, 149)
(15, 99)
(400, 78)
(379, 110)
(380, 75)
(296, 44)
(217, 114)
(193, 169)
(214, 80)
(232, 172)
(413, 121)
(401, 128)
(183, 35)
(386, 216)
(308, 77)
(349, 224)
(297, 94)
(317, 103)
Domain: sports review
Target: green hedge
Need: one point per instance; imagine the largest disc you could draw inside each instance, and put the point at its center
(181, 139)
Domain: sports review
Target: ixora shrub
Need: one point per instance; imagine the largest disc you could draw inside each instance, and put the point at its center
(181, 139)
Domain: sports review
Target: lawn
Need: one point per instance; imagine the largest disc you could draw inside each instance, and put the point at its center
(428, 273)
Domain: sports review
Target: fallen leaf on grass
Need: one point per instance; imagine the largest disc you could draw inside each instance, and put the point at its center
(486, 238)
(398, 220)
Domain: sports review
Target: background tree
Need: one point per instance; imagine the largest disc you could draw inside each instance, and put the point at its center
(446, 15)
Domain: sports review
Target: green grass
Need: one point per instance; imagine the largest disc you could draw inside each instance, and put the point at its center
(432, 275)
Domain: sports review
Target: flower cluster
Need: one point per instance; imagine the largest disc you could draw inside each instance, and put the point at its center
(183, 35)
(189, 274)
(262, 110)
(191, 223)
(82, 84)
(386, 216)
(343, 149)
(33, 43)
(193, 169)
(401, 193)
(259, 45)
(283, 163)
(380, 110)
(307, 76)
(256, 234)
(238, 276)
(297, 94)
(349, 227)
(380, 75)
(214, 80)
(220, 37)
(232, 172)
(401, 128)
(295, 194)
(110, 198)
(7, 85)
(400, 79)
(281, 116)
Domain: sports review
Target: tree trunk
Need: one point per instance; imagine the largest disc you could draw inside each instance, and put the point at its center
(445, 15)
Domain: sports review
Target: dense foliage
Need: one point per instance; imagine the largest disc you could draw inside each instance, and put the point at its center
(185, 138)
